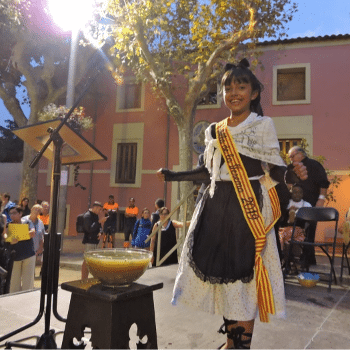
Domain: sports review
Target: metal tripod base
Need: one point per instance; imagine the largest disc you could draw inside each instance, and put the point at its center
(46, 341)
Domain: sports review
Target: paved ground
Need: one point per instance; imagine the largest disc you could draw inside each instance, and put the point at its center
(315, 319)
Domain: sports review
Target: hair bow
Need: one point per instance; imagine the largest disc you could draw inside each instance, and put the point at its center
(242, 64)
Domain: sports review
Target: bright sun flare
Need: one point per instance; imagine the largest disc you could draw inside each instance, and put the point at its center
(70, 14)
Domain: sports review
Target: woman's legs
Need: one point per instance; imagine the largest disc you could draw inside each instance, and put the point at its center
(28, 269)
(15, 283)
(239, 334)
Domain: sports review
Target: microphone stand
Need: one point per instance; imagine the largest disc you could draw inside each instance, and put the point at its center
(51, 255)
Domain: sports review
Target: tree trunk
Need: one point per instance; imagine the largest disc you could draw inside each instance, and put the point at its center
(29, 176)
(185, 160)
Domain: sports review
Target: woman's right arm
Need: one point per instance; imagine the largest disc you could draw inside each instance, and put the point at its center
(198, 175)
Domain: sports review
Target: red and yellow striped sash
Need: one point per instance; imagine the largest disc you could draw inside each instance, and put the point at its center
(252, 215)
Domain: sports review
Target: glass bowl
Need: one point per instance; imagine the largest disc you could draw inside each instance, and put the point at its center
(117, 267)
(307, 279)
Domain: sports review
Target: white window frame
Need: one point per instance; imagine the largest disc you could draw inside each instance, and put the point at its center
(218, 101)
(127, 133)
(307, 99)
(295, 127)
(121, 94)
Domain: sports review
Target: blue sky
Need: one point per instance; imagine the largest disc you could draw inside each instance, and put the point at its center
(320, 18)
(314, 18)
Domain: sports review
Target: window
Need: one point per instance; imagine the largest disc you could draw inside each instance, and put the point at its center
(291, 84)
(287, 144)
(292, 129)
(212, 96)
(126, 158)
(130, 95)
(126, 163)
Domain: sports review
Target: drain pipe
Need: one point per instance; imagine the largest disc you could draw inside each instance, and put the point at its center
(167, 156)
(93, 142)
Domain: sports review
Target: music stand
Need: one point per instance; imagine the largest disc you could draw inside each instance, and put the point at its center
(69, 147)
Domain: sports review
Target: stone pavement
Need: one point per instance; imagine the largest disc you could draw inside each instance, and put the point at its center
(315, 318)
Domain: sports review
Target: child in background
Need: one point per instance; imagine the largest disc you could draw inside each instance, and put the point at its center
(295, 203)
(142, 229)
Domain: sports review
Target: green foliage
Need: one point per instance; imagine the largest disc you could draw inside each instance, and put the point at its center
(159, 39)
(10, 11)
(11, 147)
(78, 119)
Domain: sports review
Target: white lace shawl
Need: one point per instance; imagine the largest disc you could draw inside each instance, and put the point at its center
(255, 137)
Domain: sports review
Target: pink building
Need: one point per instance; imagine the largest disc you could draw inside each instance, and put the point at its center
(307, 89)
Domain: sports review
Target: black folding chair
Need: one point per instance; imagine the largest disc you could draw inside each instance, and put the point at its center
(310, 215)
(344, 256)
(6, 264)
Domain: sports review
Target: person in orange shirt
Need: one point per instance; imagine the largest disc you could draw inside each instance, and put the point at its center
(110, 227)
(45, 215)
(131, 213)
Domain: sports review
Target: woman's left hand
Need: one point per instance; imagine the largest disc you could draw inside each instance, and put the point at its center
(32, 233)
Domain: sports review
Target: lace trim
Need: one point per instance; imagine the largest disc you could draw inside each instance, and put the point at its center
(215, 280)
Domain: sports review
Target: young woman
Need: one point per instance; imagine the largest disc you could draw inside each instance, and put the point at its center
(230, 264)
(25, 206)
(142, 229)
(22, 277)
(168, 238)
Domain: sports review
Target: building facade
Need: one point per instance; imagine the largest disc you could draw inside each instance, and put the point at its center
(306, 92)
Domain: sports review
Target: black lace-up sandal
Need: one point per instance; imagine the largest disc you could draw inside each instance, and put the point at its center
(223, 330)
(236, 334)
(239, 343)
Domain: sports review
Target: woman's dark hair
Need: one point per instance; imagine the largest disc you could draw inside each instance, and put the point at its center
(18, 208)
(160, 203)
(242, 74)
(162, 209)
(27, 199)
(145, 209)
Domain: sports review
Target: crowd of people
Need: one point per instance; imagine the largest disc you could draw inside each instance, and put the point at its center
(22, 230)
(100, 226)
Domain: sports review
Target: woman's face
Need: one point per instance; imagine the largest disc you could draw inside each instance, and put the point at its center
(15, 216)
(46, 209)
(146, 214)
(238, 96)
(35, 211)
(25, 202)
(163, 214)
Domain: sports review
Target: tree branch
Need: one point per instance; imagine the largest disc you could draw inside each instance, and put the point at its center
(174, 108)
(14, 108)
(205, 70)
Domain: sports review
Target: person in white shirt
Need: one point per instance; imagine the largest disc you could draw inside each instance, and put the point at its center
(38, 225)
(295, 203)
